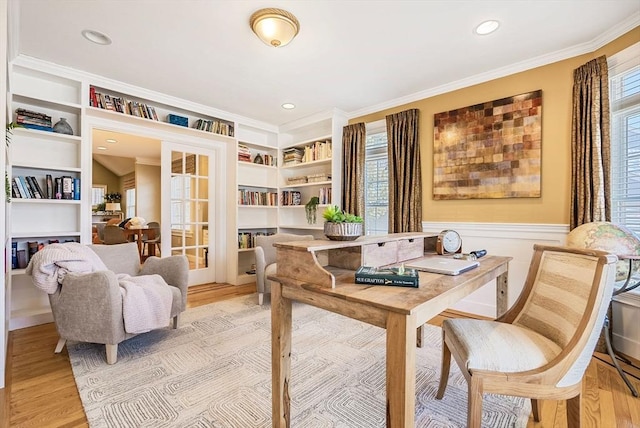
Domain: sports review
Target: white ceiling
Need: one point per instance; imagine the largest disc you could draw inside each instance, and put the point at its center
(356, 56)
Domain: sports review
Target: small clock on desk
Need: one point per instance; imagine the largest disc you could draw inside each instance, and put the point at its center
(448, 242)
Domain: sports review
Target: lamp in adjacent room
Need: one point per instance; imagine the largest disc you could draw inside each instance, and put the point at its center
(275, 27)
(113, 206)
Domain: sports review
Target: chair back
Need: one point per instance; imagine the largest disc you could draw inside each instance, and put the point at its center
(156, 228)
(266, 243)
(114, 235)
(120, 258)
(565, 299)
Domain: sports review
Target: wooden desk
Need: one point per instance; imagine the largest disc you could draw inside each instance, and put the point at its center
(135, 233)
(401, 311)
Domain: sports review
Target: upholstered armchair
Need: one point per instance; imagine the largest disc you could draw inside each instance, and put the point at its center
(541, 347)
(88, 307)
(266, 259)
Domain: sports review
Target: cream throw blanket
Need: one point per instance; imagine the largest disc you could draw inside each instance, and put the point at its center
(146, 299)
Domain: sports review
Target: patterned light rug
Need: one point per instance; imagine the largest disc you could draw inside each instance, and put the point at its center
(215, 371)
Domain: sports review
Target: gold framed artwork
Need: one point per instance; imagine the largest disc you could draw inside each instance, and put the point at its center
(489, 150)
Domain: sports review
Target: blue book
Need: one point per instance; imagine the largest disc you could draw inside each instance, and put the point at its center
(38, 127)
(76, 189)
(14, 255)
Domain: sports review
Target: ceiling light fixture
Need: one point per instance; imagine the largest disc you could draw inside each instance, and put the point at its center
(111, 141)
(288, 106)
(275, 27)
(101, 148)
(96, 37)
(487, 27)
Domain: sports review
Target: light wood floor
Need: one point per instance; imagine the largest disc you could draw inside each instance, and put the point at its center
(41, 391)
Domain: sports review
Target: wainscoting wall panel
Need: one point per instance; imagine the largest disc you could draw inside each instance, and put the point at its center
(517, 240)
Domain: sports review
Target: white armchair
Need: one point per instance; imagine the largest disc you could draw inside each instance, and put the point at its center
(266, 259)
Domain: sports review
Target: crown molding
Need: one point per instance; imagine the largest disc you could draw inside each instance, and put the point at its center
(624, 27)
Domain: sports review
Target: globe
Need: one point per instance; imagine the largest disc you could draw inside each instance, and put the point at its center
(609, 237)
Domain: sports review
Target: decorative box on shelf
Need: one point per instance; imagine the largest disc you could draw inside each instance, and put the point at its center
(178, 120)
(297, 180)
(316, 178)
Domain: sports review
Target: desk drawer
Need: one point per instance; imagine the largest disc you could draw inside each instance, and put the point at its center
(410, 249)
(380, 254)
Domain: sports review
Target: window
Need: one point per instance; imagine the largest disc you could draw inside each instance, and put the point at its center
(180, 208)
(130, 196)
(376, 181)
(624, 78)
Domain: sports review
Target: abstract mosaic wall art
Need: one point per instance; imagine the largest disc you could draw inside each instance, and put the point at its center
(489, 150)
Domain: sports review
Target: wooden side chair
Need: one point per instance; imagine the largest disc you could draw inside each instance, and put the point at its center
(541, 347)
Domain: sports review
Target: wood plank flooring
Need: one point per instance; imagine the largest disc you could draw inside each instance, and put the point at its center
(41, 391)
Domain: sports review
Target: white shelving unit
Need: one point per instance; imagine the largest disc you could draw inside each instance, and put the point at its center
(37, 154)
(320, 175)
(253, 217)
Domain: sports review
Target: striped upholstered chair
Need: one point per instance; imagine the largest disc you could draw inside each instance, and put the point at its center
(542, 346)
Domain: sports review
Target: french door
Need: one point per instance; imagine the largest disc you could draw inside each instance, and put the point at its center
(188, 172)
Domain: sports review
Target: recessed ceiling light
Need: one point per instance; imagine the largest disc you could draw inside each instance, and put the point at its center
(96, 37)
(102, 148)
(111, 141)
(288, 106)
(487, 27)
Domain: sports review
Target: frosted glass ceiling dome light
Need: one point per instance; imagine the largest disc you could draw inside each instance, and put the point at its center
(275, 27)
(96, 37)
(487, 27)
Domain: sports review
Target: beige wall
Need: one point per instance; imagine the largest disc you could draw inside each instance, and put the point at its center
(556, 82)
(148, 192)
(101, 175)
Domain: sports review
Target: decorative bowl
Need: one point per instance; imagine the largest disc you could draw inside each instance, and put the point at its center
(342, 231)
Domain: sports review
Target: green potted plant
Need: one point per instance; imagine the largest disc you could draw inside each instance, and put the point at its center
(340, 225)
(311, 208)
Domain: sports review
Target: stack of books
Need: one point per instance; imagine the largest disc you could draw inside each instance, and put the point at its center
(244, 154)
(396, 276)
(33, 120)
(292, 156)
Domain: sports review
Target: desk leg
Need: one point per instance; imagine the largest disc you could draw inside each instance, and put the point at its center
(280, 358)
(502, 293)
(401, 370)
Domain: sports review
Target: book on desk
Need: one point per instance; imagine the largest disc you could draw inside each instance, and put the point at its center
(394, 276)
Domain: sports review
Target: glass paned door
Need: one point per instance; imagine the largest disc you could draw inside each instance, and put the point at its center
(189, 210)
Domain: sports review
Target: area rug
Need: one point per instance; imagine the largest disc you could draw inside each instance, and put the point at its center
(215, 371)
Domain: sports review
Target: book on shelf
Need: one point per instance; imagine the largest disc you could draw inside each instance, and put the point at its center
(49, 185)
(394, 276)
(21, 188)
(14, 255)
(57, 188)
(34, 187)
(67, 187)
(290, 197)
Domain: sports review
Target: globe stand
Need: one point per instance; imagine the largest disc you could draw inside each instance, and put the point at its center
(607, 330)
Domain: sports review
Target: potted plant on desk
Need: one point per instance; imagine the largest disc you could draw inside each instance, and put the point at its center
(340, 225)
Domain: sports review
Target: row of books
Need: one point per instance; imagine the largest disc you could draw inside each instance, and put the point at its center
(252, 197)
(28, 187)
(318, 150)
(22, 252)
(33, 120)
(248, 239)
(290, 197)
(121, 105)
(215, 126)
(324, 195)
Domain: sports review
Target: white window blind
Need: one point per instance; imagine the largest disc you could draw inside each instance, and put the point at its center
(624, 79)
(376, 181)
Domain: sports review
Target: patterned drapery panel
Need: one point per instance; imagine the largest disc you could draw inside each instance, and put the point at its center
(405, 178)
(353, 153)
(590, 144)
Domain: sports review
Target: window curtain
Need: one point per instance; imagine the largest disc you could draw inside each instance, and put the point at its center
(405, 181)
(353, 153)
(590, 144)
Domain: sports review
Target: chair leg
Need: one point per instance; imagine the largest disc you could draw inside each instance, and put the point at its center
(176, 321)
(260, 298)
(574, 409)
(112, 353)
(535, 409)
(444, 370)
(474, 412)
(60, 345)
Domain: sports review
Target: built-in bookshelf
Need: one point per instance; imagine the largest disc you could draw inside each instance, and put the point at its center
(256, 159)
(41, 212)
(119, 103)
(311, 156)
